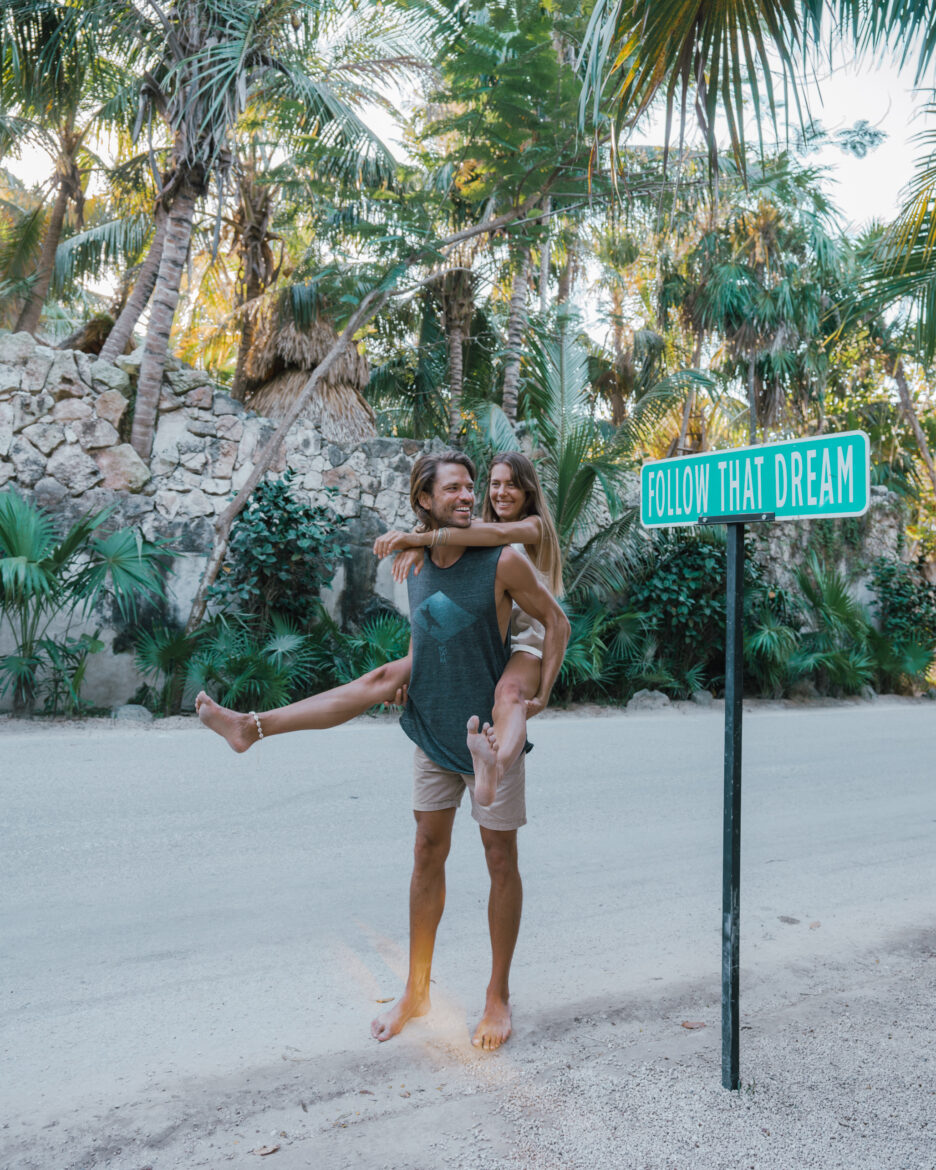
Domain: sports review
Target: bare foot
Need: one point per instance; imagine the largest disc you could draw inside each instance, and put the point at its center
(495, 1026)
(407, 1007)
(240, 731)
(487, 769)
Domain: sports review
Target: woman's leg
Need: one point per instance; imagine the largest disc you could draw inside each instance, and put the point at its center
(494, 749)
(312, 714)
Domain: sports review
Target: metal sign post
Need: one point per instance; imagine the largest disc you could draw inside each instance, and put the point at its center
(800, 479)
(731, 825)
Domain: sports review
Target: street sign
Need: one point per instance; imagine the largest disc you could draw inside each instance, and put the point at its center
(800, 479)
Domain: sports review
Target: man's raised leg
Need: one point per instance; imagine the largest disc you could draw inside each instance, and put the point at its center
(427, 901)
(504, 906)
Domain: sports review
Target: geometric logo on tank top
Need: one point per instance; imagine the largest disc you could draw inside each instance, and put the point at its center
(442, 618)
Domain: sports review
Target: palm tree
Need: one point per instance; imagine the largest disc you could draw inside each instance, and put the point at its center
(61, 90)
(699, 56)
(586, 465)
(516, 322)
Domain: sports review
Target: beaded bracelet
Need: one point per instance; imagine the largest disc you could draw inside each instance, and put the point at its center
(256, 719)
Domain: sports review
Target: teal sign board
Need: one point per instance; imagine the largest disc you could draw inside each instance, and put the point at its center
(802, 479)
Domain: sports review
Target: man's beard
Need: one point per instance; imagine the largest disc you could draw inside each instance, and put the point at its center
(450, 520)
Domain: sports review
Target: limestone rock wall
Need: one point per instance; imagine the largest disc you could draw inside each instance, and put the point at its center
(64, 430)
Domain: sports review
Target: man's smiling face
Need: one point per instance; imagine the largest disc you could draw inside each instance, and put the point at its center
(452, 499)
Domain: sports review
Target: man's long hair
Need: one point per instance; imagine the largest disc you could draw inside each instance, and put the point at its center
(548, 558)
(423, 477)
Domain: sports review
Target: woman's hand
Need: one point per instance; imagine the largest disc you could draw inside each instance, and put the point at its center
(409, 558)
(535, 705)
(392, 542)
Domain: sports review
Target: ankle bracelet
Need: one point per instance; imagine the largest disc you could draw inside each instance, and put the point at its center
(256, 719)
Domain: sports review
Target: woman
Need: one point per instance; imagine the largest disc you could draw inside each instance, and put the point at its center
(514, 512)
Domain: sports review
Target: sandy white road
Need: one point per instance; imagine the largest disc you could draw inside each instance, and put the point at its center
(194, 943)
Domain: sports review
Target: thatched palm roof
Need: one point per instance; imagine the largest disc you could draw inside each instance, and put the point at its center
(279, 363)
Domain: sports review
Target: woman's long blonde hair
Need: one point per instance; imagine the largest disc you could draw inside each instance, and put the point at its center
(548, 558)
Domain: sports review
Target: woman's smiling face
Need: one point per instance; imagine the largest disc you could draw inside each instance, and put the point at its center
(507, 499)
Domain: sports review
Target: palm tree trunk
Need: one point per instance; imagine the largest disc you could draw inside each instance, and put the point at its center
(239, 385)
(251, 291)
(752, 401)
(906, 402)
(690, 398)
(120, 335)
(515, 323)
(544, 262)
(165, 299)
(456, 342)
(28, 320)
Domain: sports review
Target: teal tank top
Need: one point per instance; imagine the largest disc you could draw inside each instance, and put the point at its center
(458, 654)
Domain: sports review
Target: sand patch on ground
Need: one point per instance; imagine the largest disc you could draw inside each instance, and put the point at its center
(837, 1072)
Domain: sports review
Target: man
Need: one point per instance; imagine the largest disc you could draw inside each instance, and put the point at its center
(460, 606)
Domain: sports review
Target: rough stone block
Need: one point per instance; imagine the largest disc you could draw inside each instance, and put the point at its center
(297, 462)
(162, 465)
(200, 397)
(7, 472)
(73, 468)
(240, 476)
(36, 370)
(45, 435)
(71, 410)
(222, 465)
(83, 364)
(168, 402)
(167, 503)
(48, 492)
(104, 377)
(64, 380)
(11, 379)
(30, 464)
(110, 406)
(123, 469)
(94, 433)
(202, 426)
(648, 701)
(196, 503)
(130, 362)
(336, 455)
(345, 506)
(16, 348)
(193, 460)
(380, 448)
(29, 408)
(344, 478)
(387, 503)
(230, 427)
(224, 404)
(702, 698)
(216, 487)
(6, 427)
(132, 713)
(184, 380)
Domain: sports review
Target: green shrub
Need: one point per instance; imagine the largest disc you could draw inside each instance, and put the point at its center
(681, 604)
(905, 605)
(47, 577)
(281, 554)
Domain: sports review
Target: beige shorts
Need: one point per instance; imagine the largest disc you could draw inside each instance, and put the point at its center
(436, 788)
(526, 633)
